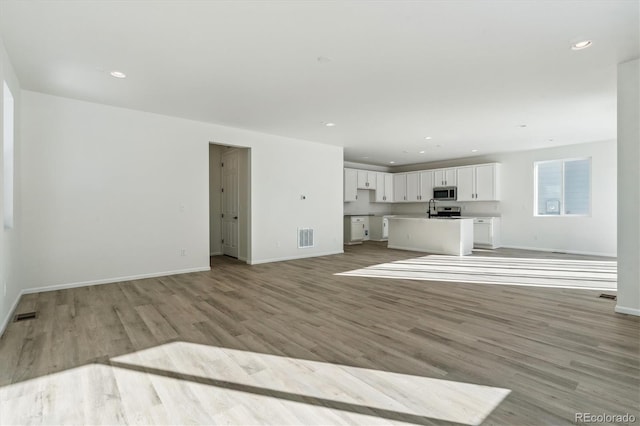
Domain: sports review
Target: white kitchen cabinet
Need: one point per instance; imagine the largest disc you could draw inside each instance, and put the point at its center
(350, 185)
(486, 232)
(478, 183)
(384, 187)
(426, 185)
(366, 179)
(444, 177)
(488, 182)
(399, 187)
(413, 187)
(466, 183)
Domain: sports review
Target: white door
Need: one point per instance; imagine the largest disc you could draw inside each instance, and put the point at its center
(230, 203)
(466, 188)
(426, 186)
(413, 186)
(450, 177)
(438, 177)
(399, 187)
(363, 177)
(482, 233)
(388, 187)
(485, 182)
(350, 185)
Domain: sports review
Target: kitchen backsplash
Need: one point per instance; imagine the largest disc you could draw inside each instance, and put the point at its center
(365, 205)
(482, 208)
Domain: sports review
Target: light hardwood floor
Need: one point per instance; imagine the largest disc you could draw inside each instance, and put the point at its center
(293, 343)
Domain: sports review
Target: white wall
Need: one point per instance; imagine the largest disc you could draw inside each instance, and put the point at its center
(629, 188)
(594, 234)
(111, 193)
(10, 287)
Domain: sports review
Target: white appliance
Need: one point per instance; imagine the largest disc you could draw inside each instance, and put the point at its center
(486, 232)
(379, 227)
(356, 229)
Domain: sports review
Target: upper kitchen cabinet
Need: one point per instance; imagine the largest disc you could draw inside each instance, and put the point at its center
(366, 179)
(426, 185)
(399, 187)
(384, 187)
(413, 187)
(444, 177)
(478, 183)
(350, 185)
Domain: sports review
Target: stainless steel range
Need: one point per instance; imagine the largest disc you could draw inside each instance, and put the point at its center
(448, 211)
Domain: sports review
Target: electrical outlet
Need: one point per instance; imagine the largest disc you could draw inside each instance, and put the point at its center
(183, 252)
(277, 243)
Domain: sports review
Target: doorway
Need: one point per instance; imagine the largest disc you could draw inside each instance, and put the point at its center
(229, 201)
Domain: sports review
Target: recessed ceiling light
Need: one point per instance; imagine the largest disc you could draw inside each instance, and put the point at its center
(329, 124)
(581, 45)
(421, 152)
(118, 74)
(550, 140)
(392, 162)
(522, 125)
(427, 137)
(474, 150)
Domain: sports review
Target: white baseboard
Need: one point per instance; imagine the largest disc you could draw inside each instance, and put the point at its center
(629, 311)
(305, 256)
(548, 250)
(113, 280)
(10, 314)
(218, 253)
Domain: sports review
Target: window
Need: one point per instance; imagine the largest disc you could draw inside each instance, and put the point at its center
(7, 150)
(563, 187)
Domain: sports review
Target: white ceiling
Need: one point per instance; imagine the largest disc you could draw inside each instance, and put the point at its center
(467, 73)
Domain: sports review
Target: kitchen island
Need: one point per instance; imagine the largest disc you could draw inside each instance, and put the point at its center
(452, 236)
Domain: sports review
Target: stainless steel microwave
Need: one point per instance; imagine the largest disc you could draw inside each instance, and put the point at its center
(448, 193)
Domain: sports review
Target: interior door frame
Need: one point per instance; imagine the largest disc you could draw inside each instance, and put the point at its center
(244, 197)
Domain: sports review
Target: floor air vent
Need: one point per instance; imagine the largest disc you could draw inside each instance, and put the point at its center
(305, 237)
(609, 296)
(25, 316)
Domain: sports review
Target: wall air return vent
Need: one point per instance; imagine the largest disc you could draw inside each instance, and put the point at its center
(305, 237)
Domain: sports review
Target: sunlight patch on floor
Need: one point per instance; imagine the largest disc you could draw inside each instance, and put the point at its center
(182, 383)
(560, 273)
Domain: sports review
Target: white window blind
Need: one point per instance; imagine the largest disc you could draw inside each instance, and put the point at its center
(563, 187)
